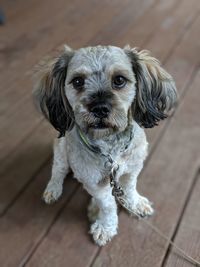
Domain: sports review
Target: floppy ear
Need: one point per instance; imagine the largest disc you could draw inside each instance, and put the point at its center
(50, 92)
(155, 92)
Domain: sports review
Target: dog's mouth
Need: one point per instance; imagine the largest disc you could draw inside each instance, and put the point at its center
(99, 125)
(99, 129)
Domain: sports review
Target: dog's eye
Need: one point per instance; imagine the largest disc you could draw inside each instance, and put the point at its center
(119, 82)
(78, 82)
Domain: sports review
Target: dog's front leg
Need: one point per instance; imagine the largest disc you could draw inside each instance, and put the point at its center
(141, 205)
(105, 221)
(59, 171)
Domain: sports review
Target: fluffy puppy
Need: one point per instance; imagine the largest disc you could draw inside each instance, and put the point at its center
(103, 97)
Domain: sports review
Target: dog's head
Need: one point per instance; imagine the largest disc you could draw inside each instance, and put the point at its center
(97, 87)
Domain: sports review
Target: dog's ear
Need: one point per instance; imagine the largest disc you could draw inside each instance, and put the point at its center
(155, 92)
(49, 92)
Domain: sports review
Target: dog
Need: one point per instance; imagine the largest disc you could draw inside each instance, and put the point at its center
(100, 99)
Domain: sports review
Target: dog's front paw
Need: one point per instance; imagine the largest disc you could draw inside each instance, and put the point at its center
(142, 206)
(102, 234)
(52, 192)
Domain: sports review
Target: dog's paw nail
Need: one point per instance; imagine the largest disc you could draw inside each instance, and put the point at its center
(101, 235)
(48, 197)
(143, 207)
(52, 192)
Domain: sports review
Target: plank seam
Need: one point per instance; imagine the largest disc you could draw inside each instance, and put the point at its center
(91, 38)
(150, 36)
(158, 141)
(168, 122)
(31, 252)
(24, 187)
(28, 134)
(180, 38)
(185, 205)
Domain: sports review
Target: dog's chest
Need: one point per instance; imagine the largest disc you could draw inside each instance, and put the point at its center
(88, 166)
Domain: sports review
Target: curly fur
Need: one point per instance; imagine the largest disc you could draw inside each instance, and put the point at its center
(148, 94)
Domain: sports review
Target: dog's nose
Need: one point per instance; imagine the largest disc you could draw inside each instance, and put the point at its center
(100, 110)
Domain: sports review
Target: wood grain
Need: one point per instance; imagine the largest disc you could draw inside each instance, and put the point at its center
(188, 232)
(71, 233)
(64, 27)
(29, 219)
(21, 166)
(20, 99)
(16, 128)
(182, 64)
(37, 235)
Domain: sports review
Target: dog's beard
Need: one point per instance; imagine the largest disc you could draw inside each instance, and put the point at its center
(99, 128)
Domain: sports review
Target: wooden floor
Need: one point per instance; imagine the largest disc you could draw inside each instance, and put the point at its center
(33, 234)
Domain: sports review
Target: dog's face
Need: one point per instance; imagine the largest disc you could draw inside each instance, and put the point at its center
(98, 87)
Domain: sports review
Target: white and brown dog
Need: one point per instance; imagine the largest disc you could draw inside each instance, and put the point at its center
(102, 97)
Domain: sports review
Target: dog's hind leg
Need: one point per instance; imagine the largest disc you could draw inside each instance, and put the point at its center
(59, 171)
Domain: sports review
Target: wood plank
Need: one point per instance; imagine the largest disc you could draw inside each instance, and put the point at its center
(23, 163)
(10, 100)
(181, 64)
(172, 28)
(71, 252)
(169, 176)
(16, 95)
(129, 26)
(32, 38)
(12, 9)
(10, 96)
(25, 103)
(17, 37)
(182, 54)
(28, 220)
(143, 30)
(188, 233)
(23, 123)
(71, 233)
(69, 23)
(138, 32)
